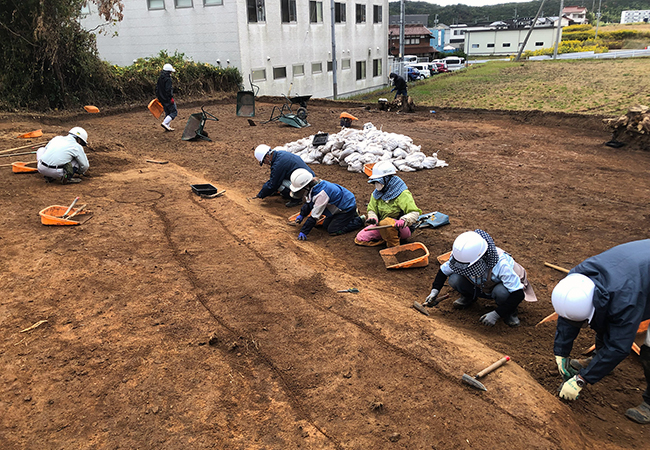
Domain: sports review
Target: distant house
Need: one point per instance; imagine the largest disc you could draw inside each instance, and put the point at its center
(635, 16)
(507, 37)
(278, 44)
(577, 14)
(440, 37)
(417, 41)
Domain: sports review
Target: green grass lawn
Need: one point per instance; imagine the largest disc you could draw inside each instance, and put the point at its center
(601, 87)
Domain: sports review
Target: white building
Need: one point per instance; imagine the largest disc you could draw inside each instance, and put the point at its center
(280, 44)
(502, 40)
(577, 14)
(635, 16)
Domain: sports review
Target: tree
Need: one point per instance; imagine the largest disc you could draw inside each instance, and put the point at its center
(46, 53)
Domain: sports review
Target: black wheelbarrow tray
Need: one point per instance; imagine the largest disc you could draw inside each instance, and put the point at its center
(195, 126)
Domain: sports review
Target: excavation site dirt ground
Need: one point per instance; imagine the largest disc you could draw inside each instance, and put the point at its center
(180, 322)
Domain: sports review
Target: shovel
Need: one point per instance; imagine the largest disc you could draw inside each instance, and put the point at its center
(473, 381)
(352, 291)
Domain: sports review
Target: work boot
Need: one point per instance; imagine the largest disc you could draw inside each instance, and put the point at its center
(578, 364)
(463, 302)
(49, 179)
(639, 414)
(293, 202)
(512, 320)
(166, 127)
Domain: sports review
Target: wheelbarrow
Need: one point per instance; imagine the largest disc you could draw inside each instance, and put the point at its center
(195, 126)
(286, 113)
(246, 100)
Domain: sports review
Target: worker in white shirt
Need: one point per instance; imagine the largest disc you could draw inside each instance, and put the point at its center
(64, 157)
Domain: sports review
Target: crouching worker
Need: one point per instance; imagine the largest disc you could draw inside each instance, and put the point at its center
(324, 198)
(478, 268)
(609, 292)
(283, 164)
(64, 157)
(391, 204)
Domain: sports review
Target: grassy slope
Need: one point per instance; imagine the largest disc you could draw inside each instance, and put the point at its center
(602, 87)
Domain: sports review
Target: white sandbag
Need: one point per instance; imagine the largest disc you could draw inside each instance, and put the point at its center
(429, 162)
(398, 153)
(352, 157)
(329, 159)
(368, 158)
(369, 126)
(375, 149)
(355, 167)
(399, 164)
(347, 151)
(407, 168)
(387, 156)
(338, 144)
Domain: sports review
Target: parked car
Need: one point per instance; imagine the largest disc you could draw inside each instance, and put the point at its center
(413, 74)
(423, 68)
(438, 67)
(454, 62)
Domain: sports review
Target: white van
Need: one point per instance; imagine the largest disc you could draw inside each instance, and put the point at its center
(410, 59)
(424, 68)
(454, 62)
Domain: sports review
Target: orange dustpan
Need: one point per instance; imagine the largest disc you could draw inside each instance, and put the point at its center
(156, 108)
(23, 167)
(345, 115)
(31, 134)
(91, 109)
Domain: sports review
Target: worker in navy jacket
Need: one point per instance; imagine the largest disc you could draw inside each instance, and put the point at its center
(283, 164)
(611, 293)
(336, 203)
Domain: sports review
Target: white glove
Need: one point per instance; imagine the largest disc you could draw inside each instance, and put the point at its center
(431, 298)
(490, 319)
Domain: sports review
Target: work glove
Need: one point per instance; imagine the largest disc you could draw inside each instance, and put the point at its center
(299, 218)
(371, 221)
(431, 298)
(399, 223)
(490, 319)
(302, 236)
(564, 366)
(570, 389)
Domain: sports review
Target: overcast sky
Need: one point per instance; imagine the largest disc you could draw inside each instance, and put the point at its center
(473, 2)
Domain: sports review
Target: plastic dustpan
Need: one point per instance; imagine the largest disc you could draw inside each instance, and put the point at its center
(406, 256)
(292, 219)
(31, 134)
(433, 220)
(156, 108)
(53, 215)
(24, 167)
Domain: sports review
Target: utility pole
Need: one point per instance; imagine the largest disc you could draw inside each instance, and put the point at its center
(597, 19)
(334, 85)
(402, 19)
(532, 25)
(559, 30)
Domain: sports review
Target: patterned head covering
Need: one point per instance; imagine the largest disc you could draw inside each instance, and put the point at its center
(480, 268)
(393, 187)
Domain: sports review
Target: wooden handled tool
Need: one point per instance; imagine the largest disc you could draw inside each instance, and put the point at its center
(473, 381)
(77, 211)
(74, 202)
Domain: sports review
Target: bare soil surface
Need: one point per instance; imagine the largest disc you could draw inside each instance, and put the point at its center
(177, 322)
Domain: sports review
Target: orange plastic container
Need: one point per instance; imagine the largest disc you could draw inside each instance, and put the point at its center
(22, 167)
(347, 116)
(32, 134)
(156, 108)
(393, 255)
(444, 257)
(91, 109)
(367, 168)
(292, 219)
(53, 215)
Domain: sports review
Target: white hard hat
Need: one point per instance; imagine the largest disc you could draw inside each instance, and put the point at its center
(299, 179)
(381, 169)
(168, 68)
(261, 151)
(469, 247)
(572, 298)
(79, 133)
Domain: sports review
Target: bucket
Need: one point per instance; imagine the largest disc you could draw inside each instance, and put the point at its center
(156, 108)
(406, 256)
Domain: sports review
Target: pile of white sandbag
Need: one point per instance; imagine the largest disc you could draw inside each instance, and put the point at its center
(353, 148)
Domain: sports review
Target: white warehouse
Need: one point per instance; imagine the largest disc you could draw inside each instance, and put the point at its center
(279, 44)
(501, 41)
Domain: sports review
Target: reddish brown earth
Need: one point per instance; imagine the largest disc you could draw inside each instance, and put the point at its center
(179, 322)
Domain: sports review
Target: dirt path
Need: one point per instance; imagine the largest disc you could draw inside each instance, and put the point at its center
(181, 322)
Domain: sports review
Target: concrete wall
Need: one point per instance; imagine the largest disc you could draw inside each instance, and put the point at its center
(545, 36)
(211, 33)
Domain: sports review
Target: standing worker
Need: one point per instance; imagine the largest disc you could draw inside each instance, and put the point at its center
(399, 84)
(478, 268)
(165, 95)
(611, 293)
(283, 164)
(64, 157)
(324, 198)
(392, 204)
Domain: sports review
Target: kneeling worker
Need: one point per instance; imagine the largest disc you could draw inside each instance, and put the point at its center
(610, 292)
(324, 198)
(64, 157)
(283, 164)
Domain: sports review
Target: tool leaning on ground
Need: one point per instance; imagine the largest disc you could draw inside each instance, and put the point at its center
(351, 291)
(422, 307)
(473, 381)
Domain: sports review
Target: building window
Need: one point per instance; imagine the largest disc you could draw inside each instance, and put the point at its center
(361, 70)
(506, 44)
(156, 4)
(288, 10)
(345, 64)
(316, 67)
(298, 70)
(279, 73)
(339, 13)
(474, 45)
(315, 12)
(490, 46)
(259, 75)
(376, 67)
(539, 44)
(361, 13)
(183, 3)
(256, 11)
(212, 2)
(376, 14)
(330, 66)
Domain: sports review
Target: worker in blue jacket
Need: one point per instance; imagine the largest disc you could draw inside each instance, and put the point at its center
(336, 203)
(283, 164)
(611, 293)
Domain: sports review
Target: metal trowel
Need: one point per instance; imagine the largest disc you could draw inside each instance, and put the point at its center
(473, 381)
